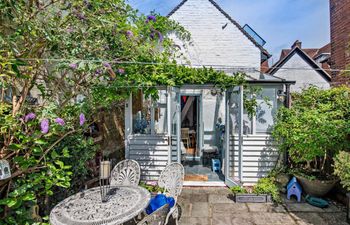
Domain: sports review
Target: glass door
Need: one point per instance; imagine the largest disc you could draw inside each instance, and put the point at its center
(232, 139)
(175, 122)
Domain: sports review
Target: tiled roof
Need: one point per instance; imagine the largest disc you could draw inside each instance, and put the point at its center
(306, 54)
(311, 52)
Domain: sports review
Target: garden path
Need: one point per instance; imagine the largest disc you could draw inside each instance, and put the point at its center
(215, 206)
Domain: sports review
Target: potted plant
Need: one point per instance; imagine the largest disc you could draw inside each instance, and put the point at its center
(342, 170)
(152, 187)
(265, 190)
(311, 132)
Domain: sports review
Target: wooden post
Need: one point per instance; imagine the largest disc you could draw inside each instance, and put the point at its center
(240, 147)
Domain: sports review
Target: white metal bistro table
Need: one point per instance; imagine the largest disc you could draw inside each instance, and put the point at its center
(124, 203)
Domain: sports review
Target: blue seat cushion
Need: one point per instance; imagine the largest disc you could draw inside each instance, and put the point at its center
(158, 201)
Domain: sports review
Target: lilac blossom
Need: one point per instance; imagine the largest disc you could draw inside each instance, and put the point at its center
(98, 72)
(121, 70)
(129, 33)
(106, 64)
(29, 116)
(82, 119)
(160, 36)
(60, 121)
(151, 17)
(44, 126)
(70, 30)
(73, 66)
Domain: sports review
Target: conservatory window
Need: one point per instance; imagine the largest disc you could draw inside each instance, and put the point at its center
(266, 110)
(149, 116)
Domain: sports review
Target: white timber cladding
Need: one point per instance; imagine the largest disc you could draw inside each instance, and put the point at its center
(259, 158)
(151, 152)
(304, 74)
(215, 39)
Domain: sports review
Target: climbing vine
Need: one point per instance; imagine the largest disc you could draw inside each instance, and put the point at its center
(60, 63)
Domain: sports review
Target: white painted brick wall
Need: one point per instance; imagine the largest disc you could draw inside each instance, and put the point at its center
(303, 78)
(213, 45)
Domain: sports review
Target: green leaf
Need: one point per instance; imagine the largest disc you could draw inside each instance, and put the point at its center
(40, 142)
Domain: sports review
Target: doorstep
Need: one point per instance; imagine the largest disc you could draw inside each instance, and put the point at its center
(204, 184)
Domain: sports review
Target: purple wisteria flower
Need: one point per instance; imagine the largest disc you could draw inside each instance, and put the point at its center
(151, 17)
(73, 66)
(29, 116)
(129, 33)
(82, 119)
(60, 121)
(106, 64)
(44, 126)
(121, 70)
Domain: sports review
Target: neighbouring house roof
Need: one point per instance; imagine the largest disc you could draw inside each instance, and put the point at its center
(311, 52)
(308, 55)
(264, 51)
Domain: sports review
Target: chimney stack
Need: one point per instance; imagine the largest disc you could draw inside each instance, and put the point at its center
(296, 43)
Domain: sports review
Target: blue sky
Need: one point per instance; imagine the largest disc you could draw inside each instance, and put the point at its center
(279, 22)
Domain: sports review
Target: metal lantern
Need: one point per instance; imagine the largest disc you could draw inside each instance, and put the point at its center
(5, 171)
(105, 173)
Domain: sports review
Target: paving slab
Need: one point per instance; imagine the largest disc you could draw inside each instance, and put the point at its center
(261, 218)
(221, 198)
(200, 209)
(338, 218)
(302, 207)
(265, 207)
(185, 209)
(195, 221)
(233, 219)
(215, 206)
(308, 218)
(224, 209)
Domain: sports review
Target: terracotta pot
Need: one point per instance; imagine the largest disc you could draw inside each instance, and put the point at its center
(316, 188)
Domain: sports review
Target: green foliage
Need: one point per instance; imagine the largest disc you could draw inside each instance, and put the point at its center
(238, 190)
(315, 128)
(342, 168)
(93, 49)
(152, 188)
(268, 186)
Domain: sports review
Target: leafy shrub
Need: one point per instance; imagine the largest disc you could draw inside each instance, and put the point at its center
(315, 128)
(238, 190)
(342, 168)
(268, 186)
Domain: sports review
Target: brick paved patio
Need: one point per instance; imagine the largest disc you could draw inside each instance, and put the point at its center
(215, 206)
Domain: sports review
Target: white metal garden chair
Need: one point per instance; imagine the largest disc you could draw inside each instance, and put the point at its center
(171, 179)
(157, 217)
(126, 172)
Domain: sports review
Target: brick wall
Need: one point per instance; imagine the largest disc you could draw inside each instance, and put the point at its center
(340, 39)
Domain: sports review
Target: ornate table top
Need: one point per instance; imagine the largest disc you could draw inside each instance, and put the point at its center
(124, 203)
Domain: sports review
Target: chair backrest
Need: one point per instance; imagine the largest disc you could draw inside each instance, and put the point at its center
(126, 172)
(172, 179)
(185, 133)
(157, 217)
